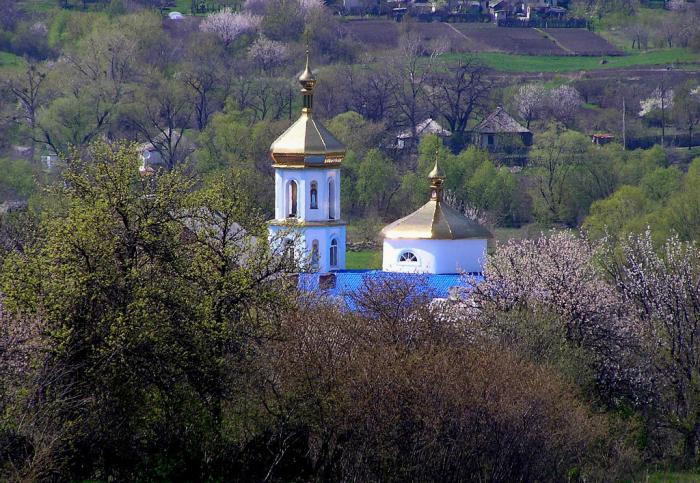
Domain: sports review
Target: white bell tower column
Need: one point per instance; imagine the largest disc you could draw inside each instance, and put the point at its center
(307, 160)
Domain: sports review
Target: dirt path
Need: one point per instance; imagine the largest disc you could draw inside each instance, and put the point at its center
(478, 46)
(553, 39)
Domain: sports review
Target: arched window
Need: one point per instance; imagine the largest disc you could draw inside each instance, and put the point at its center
(289, 251)
(408, 257)
(334, 253)
(292, 199)
(313, 196)
(331, 199)
(314, 255)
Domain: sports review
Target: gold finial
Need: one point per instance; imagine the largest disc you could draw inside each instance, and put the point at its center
(437, 179)
(307, 79)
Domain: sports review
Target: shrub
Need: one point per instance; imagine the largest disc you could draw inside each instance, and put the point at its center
(391, 393)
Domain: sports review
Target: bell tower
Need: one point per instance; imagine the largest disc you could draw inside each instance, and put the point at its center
(307, 160)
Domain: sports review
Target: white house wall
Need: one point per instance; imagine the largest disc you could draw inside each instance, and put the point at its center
(435, 256)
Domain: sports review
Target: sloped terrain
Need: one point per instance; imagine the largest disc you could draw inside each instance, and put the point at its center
(510, 40)
(478, 37)
(583, 42)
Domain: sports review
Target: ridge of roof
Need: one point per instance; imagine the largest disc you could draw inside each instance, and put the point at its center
(499, 121)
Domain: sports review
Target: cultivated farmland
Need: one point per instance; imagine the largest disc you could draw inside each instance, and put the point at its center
(375, 34)
(384, 34)
(511, 40)
(476, 37)
(583, 42)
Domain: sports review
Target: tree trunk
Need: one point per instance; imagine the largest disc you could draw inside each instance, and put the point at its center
(663, 121)
(690, 138)
(690, 447)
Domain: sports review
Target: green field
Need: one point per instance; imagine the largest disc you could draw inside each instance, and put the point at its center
(672, 477)
(182, 6)
(38, 5)
(362, 260)
(8, 60)
(554, 63)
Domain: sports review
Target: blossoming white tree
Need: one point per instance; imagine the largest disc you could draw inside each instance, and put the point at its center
(268, 54)
(531, 101)
(307, 6)
(563, 103)
(228, 26)
(659, 99)
(633, 308)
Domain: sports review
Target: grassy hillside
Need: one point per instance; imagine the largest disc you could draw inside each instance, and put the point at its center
(10, 61)
(554, 63)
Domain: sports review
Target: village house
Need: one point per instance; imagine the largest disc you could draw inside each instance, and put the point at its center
(526, 9)
(150, 158)
(500, 130)
(151, 152)
(429, 126)
(601, 139)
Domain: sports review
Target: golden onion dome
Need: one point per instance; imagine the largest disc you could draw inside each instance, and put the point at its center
(307, 142)
(436, 220)
(307, 78)
(436, 173)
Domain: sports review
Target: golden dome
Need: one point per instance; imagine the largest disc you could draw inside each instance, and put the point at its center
(435, 220)
(307, 142)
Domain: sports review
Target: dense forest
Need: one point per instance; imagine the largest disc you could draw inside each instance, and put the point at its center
(149, 332)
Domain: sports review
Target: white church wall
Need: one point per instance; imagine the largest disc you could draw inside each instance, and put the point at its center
(325, 235)
(304, 179)
(304, 238)
(434, 256)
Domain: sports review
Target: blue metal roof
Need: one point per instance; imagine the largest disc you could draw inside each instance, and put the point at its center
(348, 282)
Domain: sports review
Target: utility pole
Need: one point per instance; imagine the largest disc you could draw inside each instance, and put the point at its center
(664, 105)
(624, 128)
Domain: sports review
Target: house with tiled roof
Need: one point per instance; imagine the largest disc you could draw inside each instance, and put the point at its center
(428, 126)
(500, 129)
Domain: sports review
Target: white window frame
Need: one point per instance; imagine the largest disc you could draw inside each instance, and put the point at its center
(408, 262)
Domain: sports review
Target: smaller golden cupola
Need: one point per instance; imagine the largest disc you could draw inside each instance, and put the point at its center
(307, 143)
(436, 220)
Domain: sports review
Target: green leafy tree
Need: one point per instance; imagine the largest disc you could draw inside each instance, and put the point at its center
(554, 160)
(686, 108)
(472, 179)
(618, 214)
(348, 180)
(149, 294)
(17, 179)
(283, 20)
(631, 167)
(660, 184)
(376, 181)
(356, 132)
(682, 212)
(492, 190)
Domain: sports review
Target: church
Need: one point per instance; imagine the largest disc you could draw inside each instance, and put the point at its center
(435, 242)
